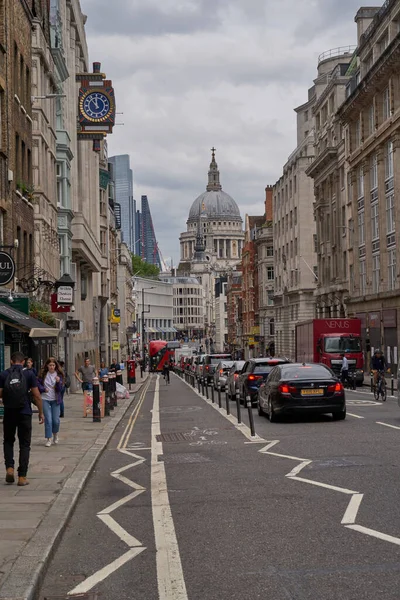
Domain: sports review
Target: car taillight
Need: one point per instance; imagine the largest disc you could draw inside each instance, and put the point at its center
(207, 367)
(336, 387)
(254, 377)
(284, 389)
(236, 375)
(221, 371)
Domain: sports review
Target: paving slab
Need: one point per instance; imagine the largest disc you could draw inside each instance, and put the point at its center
(32, 518)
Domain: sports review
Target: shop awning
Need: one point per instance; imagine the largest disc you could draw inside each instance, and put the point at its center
(16, 318)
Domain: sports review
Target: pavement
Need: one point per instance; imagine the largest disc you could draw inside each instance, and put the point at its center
(186, 504)
(33, 518)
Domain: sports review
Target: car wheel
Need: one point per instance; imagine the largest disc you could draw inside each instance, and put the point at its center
(339, 415)
(271, 413)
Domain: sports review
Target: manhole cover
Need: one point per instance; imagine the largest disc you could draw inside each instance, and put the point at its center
(174, 437)
(192, 457)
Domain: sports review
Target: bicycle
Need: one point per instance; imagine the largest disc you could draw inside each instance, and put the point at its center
(380, 387)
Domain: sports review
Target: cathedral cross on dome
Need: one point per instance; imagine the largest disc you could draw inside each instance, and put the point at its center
(213, 174)
(213, 150)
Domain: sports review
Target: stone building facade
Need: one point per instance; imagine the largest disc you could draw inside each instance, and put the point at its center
(370, 115)
(234, 310)
(295, 229)
(266, 276)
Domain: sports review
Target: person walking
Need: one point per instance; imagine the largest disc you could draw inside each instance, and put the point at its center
(85, 375)
(67, 385)
(51, 386)
(29, 365)
(15, 383)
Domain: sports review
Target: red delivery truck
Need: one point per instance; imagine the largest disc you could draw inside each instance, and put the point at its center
(324, 340)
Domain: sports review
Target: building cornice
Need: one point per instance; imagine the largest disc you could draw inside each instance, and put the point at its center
(322, 161)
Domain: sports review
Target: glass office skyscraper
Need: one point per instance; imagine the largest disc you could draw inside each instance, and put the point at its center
(148, 242)
(123, 178)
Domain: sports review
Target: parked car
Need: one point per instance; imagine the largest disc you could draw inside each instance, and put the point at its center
(302, 387)
(254, 372)
(199, 365)
(233, 378)
(210, 363)
(221, 374)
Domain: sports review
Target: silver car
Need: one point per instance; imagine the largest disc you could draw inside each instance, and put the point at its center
(198, 366)
(233, 378)
(221, 374)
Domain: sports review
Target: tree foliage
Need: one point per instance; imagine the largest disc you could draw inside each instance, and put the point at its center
(143, 269)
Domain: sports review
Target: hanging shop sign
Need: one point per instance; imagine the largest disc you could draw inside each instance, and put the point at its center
(65, 295)
(115, 315)
(7, 268)
(116, 346)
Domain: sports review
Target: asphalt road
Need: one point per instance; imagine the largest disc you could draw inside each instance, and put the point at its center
(202, 514)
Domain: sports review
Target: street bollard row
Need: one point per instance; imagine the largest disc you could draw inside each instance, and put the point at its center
(96, 401)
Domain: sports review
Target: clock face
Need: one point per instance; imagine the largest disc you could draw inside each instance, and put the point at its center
(96, 105)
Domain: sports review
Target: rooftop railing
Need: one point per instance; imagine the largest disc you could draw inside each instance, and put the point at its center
(336, 52)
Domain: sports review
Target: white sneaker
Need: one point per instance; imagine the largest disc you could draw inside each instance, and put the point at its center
(55, 438)
(48, 443)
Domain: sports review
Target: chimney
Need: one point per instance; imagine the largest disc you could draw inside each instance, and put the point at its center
(268, 203)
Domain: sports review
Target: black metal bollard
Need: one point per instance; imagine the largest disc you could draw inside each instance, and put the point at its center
(107, 396)
(96, 401)
(206, 389)
(228, 408)
(111, 388)
(212, 394)
(219, 395)
(372, 384)
(115, 390)
(202, 386)
(392, 386)
(251, 416)
(238, 407)
(198, 384)
(119, 377)
(194, 381)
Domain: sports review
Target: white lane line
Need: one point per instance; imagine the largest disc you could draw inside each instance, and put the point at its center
(324, 485)
(298, 468)
(171, 582)
(355, 416)
(350, 515)
(283, 455)
(376, 534)
(387, 425)
(123, 535)
(119, 503)
(105, 572)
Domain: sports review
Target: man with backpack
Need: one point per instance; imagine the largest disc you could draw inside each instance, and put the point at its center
(15, 385)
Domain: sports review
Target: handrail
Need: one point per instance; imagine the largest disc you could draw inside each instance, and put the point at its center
(336, 52)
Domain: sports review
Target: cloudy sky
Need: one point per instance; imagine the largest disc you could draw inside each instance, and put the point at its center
(190, 74)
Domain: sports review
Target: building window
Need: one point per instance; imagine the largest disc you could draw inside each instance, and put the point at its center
(375, 221)
(390, 222)
(363, 277)
(371, 119)
(374, 172)
(361, 227)
(361, 182)
(384, 42)
(84, 282)
(270, 250)
(389, 160)
(376, 273)
(386, 104)
(392, 268)
(270, 297)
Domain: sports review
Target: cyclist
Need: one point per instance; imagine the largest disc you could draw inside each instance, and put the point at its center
(166, 368)
(378, 364)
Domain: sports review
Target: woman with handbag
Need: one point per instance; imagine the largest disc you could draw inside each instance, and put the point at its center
(51, 386)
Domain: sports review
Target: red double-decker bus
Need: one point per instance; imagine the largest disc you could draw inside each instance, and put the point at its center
(161, 353)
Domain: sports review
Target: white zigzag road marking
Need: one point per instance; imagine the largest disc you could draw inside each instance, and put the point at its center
(350, 515)
(135, 546)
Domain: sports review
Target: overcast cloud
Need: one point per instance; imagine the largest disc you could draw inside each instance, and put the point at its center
(190, 74)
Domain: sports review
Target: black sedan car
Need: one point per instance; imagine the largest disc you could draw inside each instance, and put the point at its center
(302, 388)
(254, 372)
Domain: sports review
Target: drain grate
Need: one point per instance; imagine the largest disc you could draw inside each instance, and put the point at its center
(174, 437)
(181, 458)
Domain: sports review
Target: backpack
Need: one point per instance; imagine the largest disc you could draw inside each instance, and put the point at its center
(15, 389)
(67, 383)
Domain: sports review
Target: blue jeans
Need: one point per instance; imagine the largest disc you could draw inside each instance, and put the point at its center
(51, 411)
(87, 387)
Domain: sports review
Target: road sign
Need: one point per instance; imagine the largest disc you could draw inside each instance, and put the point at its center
(116, 345)
(7, 268)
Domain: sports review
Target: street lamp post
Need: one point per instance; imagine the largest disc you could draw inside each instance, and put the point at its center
(143, 313)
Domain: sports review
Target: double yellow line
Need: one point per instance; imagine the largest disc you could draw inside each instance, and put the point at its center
(132, 419)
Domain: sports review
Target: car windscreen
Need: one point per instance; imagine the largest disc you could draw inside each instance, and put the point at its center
(263, 368)
(342, 344)
(239, 366)
(306, 372)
